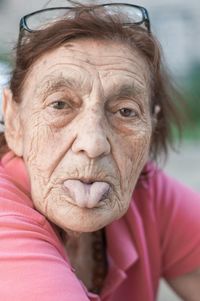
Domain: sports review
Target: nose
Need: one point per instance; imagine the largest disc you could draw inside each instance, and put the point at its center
(91, 137)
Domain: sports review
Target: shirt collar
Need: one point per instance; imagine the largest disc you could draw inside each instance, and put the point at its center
(120, 244)
(121, 253)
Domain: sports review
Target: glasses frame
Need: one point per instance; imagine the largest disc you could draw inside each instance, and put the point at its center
(146, 21)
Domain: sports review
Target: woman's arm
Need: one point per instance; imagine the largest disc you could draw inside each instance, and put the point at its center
(187, 286)
(31, 267)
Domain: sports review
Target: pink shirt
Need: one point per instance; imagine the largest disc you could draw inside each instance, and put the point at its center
(159, 236)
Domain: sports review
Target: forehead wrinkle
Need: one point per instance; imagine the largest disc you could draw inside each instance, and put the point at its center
(136, 74)
(51, 82)
(134, 71)
(130, 79)
(113, 63)
(94, 59)
(135, 67)
(108, 61)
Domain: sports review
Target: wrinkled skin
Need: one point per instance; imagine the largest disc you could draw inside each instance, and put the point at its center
(85, 114)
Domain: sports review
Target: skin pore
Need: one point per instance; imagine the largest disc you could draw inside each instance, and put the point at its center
(84, 116)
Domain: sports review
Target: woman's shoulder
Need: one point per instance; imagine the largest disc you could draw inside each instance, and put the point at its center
(157, 186)
(17, 212)
(16, 204)
(14, 188)
(164, 198)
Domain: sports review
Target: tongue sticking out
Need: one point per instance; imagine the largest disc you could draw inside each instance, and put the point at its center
(86, 195)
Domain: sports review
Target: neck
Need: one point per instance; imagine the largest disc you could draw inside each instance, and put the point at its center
(87, 256)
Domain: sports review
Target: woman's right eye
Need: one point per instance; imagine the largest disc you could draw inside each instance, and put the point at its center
(59, 105)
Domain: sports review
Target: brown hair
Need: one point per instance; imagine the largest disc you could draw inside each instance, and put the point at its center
(89, 24)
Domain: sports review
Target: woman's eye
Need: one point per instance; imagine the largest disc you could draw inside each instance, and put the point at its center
(59, 105)
(126, 112)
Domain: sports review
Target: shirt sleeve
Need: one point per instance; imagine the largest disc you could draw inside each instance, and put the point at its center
(178, 216)
(31, 267)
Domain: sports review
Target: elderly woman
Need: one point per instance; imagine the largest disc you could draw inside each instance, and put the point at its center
(85, 213)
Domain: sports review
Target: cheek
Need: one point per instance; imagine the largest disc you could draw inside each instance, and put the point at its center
(41, 145)
(132, 156)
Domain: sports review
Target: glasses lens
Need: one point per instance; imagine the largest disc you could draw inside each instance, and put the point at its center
(129, 13)
(43, 19)
(126, 13)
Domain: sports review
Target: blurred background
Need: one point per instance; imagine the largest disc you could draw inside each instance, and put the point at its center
(176, 23)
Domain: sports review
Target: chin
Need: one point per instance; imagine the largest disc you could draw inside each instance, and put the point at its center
(77, 229)
(73, 219)
(88, 221)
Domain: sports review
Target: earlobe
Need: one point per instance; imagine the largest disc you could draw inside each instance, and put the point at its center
(13, 127)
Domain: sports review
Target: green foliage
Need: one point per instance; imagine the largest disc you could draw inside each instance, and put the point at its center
(193, 93)
(192, 97)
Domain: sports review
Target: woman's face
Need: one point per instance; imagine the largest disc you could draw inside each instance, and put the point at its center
(85, 130)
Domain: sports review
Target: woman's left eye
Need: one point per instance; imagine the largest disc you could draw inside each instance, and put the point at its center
(127, 112)
(59, 105)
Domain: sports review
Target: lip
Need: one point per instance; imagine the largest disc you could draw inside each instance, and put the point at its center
(90, 180)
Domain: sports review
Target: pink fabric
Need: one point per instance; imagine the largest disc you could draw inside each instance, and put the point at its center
(159, 236)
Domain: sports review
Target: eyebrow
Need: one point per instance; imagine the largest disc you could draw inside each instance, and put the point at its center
(51, 84)
(128, 90)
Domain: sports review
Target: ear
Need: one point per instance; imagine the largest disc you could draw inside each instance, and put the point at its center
(13, 127)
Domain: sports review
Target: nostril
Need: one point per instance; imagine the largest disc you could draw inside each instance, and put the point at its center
(88, 182)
